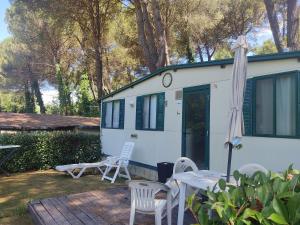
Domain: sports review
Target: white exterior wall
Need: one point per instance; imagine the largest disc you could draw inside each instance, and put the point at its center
(157, 146)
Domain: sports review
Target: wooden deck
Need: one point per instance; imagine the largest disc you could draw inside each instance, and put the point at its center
(107, 207)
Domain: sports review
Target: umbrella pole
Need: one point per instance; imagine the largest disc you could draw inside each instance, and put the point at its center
(229, 162)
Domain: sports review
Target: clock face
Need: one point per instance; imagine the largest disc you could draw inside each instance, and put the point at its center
(167, 80)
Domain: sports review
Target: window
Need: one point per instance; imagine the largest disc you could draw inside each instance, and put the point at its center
(116, 114)
(275, 108)
(150, 112)
(113, 114)
(264, 106)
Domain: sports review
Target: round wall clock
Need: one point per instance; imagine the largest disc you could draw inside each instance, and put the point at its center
(167, 80)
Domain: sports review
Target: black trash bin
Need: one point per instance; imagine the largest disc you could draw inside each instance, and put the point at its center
(164, 170)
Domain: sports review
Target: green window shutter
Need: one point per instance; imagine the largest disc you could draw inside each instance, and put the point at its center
(160, 116)
(247, 108)
(139, 113)
(103, 114)
(122, 113)
(298, 104)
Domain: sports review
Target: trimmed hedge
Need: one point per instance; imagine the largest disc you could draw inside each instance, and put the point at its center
(44, 150)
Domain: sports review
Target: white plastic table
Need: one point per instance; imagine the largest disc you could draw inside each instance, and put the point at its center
(8, 156)
(202, 179)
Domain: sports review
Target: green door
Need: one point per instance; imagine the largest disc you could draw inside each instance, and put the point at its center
(195, 125)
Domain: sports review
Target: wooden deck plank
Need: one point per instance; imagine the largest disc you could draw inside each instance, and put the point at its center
(44, 214)
(34, 215)
(58, 217)
(114, 209)
(76, 211)
(90, 206)
(103, 207)
(70, 217)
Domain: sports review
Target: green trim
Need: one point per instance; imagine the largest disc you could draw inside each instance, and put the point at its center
(296, 74)
(258, 58)
(135, 163)
(206, 90)
(247, 108)
(112, 116)
(141, 125)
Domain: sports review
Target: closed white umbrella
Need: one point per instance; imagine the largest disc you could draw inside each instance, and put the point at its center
(239, 75)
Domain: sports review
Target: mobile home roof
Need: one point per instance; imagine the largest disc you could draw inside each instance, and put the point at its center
(258, 58)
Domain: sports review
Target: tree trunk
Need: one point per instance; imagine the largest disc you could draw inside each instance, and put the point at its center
(94, 11)
(292, 25)
(36, 90)
(38, 95)
(273, 20)
(91, 84)
(163, 55)
(29, 98)
(142, 36)
(200, 53)
(149, 33)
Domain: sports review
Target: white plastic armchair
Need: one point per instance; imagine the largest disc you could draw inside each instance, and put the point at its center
(183, 164)
(119, 163)
(143, 200)
(250, 169)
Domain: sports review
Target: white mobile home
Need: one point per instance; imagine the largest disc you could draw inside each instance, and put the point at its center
(182, 110)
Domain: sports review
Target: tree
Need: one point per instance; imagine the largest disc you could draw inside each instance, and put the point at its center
(283, 16)
(224, 53)
(151, 34)
(267, 47)
(13, 102)
(29, 30)
(15, 68)
(209, 25)
(64, 94)
(293, 10)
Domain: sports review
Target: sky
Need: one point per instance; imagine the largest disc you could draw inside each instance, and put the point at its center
(3, 27)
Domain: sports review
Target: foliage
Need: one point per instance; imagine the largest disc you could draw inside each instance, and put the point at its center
(12, 102)
(210, 25)
(86, 103)
(266, 48)
(266, 199)
(53, 108)
(64, 94)
(224, 53)
(41, 150)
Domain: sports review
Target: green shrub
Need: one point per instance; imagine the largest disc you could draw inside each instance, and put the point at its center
(260, 199)
(43, 150)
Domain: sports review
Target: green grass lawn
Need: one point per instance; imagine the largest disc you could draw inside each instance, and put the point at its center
(18, 189)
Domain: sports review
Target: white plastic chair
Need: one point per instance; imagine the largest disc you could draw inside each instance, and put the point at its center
(183, 164)
(143, 200)
(250, 169)
(119, 163)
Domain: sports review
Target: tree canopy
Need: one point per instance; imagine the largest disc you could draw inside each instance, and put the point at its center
(88, 48)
